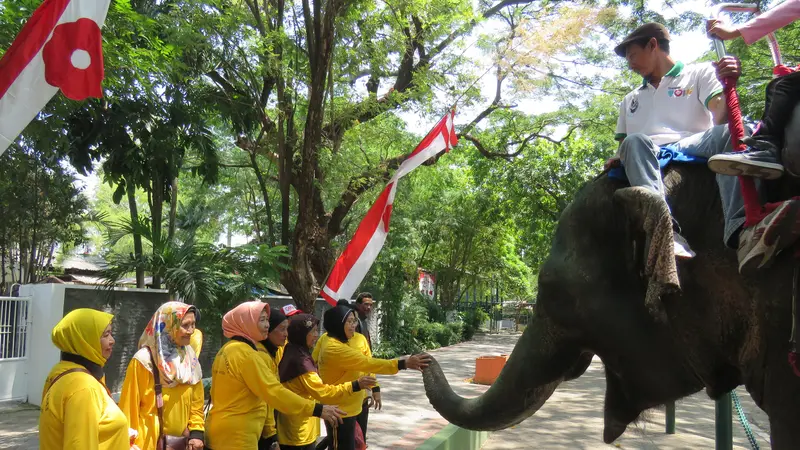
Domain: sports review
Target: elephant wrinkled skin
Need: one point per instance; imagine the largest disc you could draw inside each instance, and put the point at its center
(720, 330)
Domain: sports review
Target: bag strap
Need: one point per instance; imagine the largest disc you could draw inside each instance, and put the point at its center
(159, 400)
(66, 372)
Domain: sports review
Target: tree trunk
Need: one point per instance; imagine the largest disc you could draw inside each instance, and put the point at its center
(137, 238)
(267, 207)
(309, 265)
(30, 276)
(3, 262)
(157, 213)
(173, 208)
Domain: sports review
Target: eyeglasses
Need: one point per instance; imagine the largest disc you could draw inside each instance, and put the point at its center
(351, 321)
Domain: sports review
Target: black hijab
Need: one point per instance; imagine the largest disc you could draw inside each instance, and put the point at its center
(334, 321)
(276, 317)
(297, 358)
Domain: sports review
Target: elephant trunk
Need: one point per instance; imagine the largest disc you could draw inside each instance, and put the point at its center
(541, 360)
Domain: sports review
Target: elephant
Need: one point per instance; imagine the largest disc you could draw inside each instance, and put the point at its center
(718, 330)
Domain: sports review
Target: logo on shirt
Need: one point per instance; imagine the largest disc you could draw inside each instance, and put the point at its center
(634, 105)
(678, 92)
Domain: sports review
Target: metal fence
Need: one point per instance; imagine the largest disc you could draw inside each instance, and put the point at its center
(14, 325)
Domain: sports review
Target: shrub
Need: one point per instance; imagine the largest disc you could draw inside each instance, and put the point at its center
(473, 319)
(456, 332)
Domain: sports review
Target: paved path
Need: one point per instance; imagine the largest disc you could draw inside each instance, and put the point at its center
(571, 419)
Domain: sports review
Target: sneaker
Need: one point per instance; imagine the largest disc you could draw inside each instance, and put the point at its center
(750, 163)
(760, 144)
(759, 244)
(681, 247)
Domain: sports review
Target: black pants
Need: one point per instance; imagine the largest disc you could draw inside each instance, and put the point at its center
(266, 443)
(363, 418)
(345, 435)
(310, 446)
(783, 94)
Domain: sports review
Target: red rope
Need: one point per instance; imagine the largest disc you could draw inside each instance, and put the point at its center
(793, 361)
(753, 210)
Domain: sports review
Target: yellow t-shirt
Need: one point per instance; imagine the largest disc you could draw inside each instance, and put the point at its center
(77, 413)
(183, 406)
(340, 363)
(241, 387)
(269, 424)
(299, 430)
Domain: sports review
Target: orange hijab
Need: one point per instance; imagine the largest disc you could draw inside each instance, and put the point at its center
(243, 321)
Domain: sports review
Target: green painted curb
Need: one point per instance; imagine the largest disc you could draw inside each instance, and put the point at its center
(455, 438)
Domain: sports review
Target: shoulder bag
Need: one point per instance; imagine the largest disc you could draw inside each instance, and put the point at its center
(165, 441)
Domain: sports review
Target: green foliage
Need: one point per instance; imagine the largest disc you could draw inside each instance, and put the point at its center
(41, 212)
(472, 319)
(215, 278)
(227, 115)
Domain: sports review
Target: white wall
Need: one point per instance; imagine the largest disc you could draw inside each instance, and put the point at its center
(13, 380)
(47, 308)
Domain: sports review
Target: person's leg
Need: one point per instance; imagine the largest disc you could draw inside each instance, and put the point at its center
(363, 418)
(638, 155)
(298, 447)
(756, 243)
(325, 443)
(346, 434)
(762, 160)
(783, 94)
(266, 443)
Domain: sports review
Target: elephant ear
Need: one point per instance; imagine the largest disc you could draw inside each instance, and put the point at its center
(648, 212)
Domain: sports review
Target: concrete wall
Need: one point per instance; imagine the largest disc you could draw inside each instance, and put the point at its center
(453, 437)
(47, 304)
(132, 308)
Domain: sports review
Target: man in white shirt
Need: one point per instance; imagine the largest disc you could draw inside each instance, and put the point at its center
(682, 107)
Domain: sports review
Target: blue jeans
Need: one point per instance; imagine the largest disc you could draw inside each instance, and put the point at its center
(638, 154)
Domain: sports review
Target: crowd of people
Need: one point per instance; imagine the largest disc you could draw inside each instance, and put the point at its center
(271, 382)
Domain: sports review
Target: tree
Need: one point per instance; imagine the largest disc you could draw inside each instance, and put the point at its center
(288, 81)
(41, 210)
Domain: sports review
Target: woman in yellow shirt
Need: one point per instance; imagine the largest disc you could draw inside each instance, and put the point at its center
(271, 349)
(340, 362)
(242, 385)
(77, 409)
(166, 345)
(298, 373)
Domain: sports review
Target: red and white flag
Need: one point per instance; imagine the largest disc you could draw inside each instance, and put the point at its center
(60, 47)
(363, 248)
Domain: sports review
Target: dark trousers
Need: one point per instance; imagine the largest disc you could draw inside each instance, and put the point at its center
(266, 443)
(363, 418)
(311, 446)
(345, 435)
(783, 94)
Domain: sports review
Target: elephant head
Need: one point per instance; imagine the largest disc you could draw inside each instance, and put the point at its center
(603, 291)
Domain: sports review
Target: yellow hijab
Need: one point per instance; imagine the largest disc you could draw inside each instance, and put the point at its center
(79, 333)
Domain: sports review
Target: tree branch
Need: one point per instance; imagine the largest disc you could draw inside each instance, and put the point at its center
(478, 145)
(489, 109)
(358, 185)
(373, 106)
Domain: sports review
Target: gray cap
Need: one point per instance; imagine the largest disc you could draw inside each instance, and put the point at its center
(646, 31)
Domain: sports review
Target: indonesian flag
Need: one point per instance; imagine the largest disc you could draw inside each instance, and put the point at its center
(60, 47)
(363, 248)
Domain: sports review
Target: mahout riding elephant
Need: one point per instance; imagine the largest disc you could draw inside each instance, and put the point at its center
(664, 329)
